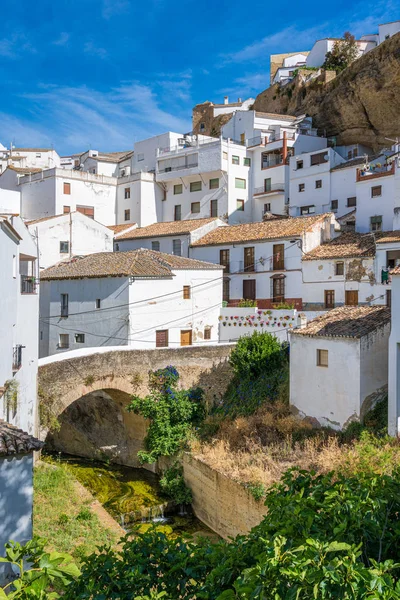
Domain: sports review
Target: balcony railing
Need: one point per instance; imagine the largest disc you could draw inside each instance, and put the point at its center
(28, 284)
(17, 357)
(178, 167)
(274, 187)
(374, 172)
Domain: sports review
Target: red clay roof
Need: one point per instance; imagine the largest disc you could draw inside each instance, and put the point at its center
(347, 245)
(167, 228)
(16, 441)
(347, 321)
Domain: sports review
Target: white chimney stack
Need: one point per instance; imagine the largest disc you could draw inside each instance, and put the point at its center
(226, 99)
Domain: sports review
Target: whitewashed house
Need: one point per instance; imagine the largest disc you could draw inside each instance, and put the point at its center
(316, 56)
(339, 364)
(10, 202)
(38, 158)
(16, 489)
(378, 195)
(290, 64)
(174, 237)
(263, 260)
(19, 324)
(394, 358)
(141, 298)
(63, 236)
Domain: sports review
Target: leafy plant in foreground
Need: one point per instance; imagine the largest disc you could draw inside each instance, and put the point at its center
(173, 485)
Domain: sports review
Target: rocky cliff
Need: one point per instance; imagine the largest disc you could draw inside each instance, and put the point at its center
(361, 105)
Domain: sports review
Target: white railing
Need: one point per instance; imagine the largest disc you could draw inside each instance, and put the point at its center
(274, 187)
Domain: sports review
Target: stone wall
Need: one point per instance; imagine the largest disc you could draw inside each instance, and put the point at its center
(222, 504)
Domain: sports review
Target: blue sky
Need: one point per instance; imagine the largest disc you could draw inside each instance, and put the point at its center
(104, 73)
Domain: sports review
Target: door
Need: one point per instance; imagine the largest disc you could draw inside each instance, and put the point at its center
(162, 338)
(249, 289)
(329, 298)
(278, 289)
(351, 298)
(186, 337)
(279, 257)
(249, 259)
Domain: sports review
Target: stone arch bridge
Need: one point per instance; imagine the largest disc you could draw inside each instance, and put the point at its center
(87, 392)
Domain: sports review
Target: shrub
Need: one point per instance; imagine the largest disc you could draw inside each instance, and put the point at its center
(173, 485)
(172, 414)
(257, 354)
(247, 303)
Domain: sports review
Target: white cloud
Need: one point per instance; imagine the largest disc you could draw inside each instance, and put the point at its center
(93, 50)
(248, 85)
(110, 8)
(62, 40)
(15, 46)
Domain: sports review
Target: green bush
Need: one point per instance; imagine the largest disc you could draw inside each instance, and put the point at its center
(247, 303)
(172, 414)
(173, 485)
(257, 354)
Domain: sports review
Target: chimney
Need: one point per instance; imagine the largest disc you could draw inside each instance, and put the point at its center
(239, 100)
(226, 99)
(284, 148)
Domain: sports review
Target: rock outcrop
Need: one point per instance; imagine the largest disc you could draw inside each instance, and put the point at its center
(361, 105)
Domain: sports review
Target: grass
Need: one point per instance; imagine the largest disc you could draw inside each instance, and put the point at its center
(62, 513)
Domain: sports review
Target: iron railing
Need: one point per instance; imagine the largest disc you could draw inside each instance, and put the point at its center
(17, 357)
(28, 284)
(274, 187)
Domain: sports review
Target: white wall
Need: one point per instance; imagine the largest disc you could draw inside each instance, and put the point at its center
(166, 243)
(10, 201)
(394, 361)
(16, 493)
(374, 365)
(388, 29)
(145, 202)
(383, 205)
(85, 236)
(330, 394)
(145, 151)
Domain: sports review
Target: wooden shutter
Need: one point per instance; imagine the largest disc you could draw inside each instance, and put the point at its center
(249, 258)
(162, 338)
(186, 337)
(67, 188)
(186, 292)
(224, 259)
(351, 298)
(249, 289)
(226, 290)
(214, 208)
(278, 289)
(329, 298)
(86, 210)
(66, 210)
(207, 333)
(279, 257)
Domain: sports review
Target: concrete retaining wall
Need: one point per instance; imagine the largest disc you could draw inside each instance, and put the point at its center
(222, 504)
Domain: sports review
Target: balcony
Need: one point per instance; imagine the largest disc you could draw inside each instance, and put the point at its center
(28, 284)
(170, 169)
(17, 357)
(375, 171)
(274, 188)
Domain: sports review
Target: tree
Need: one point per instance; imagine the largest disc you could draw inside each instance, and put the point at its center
(343, 53)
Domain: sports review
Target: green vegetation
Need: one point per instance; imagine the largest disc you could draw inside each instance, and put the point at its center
(173, 485)
(247, 303)
(343, 53)
(172, 413)
(62, 514)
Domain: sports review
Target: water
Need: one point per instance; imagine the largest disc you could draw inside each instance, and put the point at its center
(133, 497)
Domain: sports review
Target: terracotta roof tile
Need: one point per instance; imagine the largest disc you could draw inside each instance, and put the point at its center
(16, 441)
(140, 263)
(167, 228)
(385, 237)
(118, 229)
(347, 245)
(24, 170)
(347, 321)
(270, 229)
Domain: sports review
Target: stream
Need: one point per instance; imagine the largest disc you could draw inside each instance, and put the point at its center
(133, 497)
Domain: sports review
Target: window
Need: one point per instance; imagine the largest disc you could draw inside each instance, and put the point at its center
(235, 159)
(248, 254)
(98, 303)
(155, 246)
(224, 259)
(249, 289)
(225, 155)
(66, 210)
(140, 157)
(243, 139)
(186, 292)
(214, 183)
(339, 268)
(376, 223)
(322, 358)
(186, 337)
(240, 183)
(278, 288)
(195, 186)
(64, 247)
(225, 290)
(329, 298)
(307, 210)
(116, 247)
(352, 201)
(38, 155)
(318, 184)
(195, 207)
(267, 184)
(63, 340)
(299, 164)
(67, 188)
(17, 357)
(162, 338)
(389, 298)
(278, 260)
(247, 162)
(302, 187)
(351, 298)
(79, 338)
(318, 159)
(376, 191)
(86, 210)
(178, 188)
(177, 212)
(334, 204)
(267, 207)
(202, 126)
(177, 247)
(127, 214)
(127, 193)
(240, 205)
(214, 208)
(14, 266)
(207, 333)
(64, 305)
